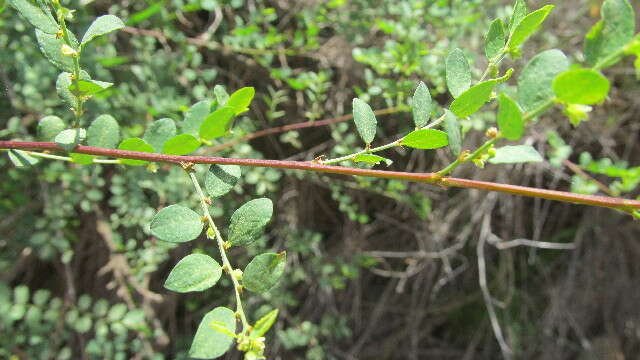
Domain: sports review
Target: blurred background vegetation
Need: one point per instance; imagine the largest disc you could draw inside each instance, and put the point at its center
(378, 269)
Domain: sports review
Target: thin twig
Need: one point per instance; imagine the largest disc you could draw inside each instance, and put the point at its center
(431, 178)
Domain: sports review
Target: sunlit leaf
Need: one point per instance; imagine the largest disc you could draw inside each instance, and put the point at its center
(264, 272)
(195, 272)
(176, 224)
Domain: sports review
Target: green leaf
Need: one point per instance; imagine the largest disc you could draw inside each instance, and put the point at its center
(70, 138)
(35, 16)
(581, 86)
(219, 327)
(519, 12)
(249, 220)
(104, 132)
(144, 14)
(611, 33)
(516, 154)
(49, 126)
(473, 99)
(85, 88)
(421, 105)
(82, 159)
(195, 116)
(241, 99)
(365, 120)
(534, 84)
(50, 46)
(218, 123)
(458, 73)
(264, 324)
(495, 41)
(264, 271)
(527, 26)
(452, 127)
(159, 132)
(181, 145)
(134, 144)
(195, 272)
(372, 159)
(220, 179)
(20, 158)
(209, 343)
(426, 139)
(176, 224)
(221, 95)
(101, 26)
(62, 87)
(510, 120)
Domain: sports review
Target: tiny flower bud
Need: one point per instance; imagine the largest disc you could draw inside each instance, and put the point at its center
(68, 50)
(492, 133)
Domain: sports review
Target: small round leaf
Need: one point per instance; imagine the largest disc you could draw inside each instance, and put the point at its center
(249, 220)
(159, 132)
(581, 86)
(176, 224)
(209, 343)
(220, 179)
(104, 132)
(134, 144)
(426, 139)
(195, 272)
(264, 272)
(181, 145)
(49, 127)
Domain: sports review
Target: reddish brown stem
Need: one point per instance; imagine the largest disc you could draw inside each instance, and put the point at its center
(431, 178)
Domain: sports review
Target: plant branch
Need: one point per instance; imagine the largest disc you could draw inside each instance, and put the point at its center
(431, 178)
(225, 261)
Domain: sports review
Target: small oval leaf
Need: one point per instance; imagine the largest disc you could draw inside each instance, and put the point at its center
(264, 272)
(134, 144)
(249, 220)
(176, 224)
(195, 272)
(452, 127)
(220, 179)
(35, 16)
(218, 123)
(264, 323)
(195, 116)
(241, 99)
(495, 41)
(104, 132)
(473, 99)
(372, 159)
(101, 26)
(612, 32)
(181, 145)
(516, 154)
(70, 138)
(510, 120)
(49, 126)
(528, 25)
(365, 120)
(421, 105)
(581, 86)
(159, 132)
(51, 47)
(209, 343)
(426, 139)
(534, 84)
(458, 73)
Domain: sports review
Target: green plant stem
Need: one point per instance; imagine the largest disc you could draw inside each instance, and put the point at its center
(225, 260)
(68, 159)
(430, 178)
(377, 149)
(76, 62)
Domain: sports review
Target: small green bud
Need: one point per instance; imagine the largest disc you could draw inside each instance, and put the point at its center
(68, 51)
